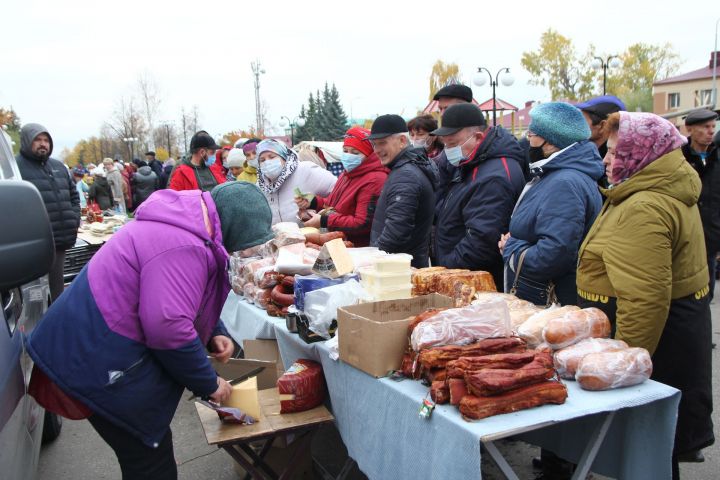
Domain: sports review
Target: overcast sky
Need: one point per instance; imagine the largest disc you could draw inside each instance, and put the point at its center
(66, 63)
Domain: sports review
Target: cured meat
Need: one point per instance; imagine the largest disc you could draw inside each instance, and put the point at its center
(422, 279)
(438, 357)
(322, 238)
(439, 392)
(457, 389)
(281, 297)
(288, 282)
(568, 359)
(435, 374)
(304, 380)
(457, 368)
(262, 298)
(531, 330)
(622, 368)
(270, 279)
(462, 294)
(422, 317)
(575, 326)
(460, 326)
(475, 408)
(480, 281)
(409, 367)
(495, 381)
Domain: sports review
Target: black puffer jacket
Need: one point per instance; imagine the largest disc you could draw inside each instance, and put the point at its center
(709, 202)
(404, 213)
(100, 192)
(145, 182)
(56, 187)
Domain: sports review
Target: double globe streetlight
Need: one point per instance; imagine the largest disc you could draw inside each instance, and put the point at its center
(507, 80)
(298, 122)
(131, 146)
(613, 61)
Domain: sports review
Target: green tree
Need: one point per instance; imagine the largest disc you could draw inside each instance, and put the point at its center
(557, 65)
(333, 120)
(642, 65)
(310, 130)
(443, 74)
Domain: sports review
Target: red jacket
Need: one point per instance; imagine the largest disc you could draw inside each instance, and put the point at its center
(184, 178)
(354, 197)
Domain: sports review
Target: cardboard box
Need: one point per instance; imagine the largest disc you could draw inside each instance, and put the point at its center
(265, 350)
(237, 367)
(373, 336)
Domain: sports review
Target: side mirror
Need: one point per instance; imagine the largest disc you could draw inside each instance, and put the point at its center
(26, 241)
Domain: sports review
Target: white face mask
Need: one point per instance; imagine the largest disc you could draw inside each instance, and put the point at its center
(454, 154)
(272, 168)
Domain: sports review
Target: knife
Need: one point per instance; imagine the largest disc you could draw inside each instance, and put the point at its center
(252, 373)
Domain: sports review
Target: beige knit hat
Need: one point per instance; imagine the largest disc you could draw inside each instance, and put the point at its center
(236, 158)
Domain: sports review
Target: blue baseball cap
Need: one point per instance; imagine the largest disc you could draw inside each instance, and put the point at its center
(602, 106)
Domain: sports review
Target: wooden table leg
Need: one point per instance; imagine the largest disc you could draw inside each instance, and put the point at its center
(244, 463)
(304, 440)
(264, 451)
(259, 460)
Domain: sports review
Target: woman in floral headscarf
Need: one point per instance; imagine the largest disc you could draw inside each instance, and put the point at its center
(643, 262)
(280, 174)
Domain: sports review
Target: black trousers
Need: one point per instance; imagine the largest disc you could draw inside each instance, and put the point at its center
(55, 275)
(137, 460)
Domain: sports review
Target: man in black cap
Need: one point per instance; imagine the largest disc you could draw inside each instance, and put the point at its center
(193, 173)
(481, 194)
(154, 164)
(451, 95)
(702, 154)
(404, 212)
(596, 111)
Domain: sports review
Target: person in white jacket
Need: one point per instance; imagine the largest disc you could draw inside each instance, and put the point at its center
(281, 173)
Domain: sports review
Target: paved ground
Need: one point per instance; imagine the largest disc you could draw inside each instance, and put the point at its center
(80, 454)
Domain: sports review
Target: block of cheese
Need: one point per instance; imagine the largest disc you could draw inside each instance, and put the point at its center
(373, 279)
(244, 396)
(394, 263)
(334, 260)
(396, 292)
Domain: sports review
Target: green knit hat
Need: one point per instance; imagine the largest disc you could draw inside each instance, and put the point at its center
(245, 216)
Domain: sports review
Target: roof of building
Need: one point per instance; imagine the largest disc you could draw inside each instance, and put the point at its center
(699, 74)
(487, 106)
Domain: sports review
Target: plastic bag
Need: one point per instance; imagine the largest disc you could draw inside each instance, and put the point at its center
(567, 360)
(622, 368)
(575, 326)
(287, 233)
(531, 330)
(291, 260)
(321, 305)
(305, 284)
(461, 326)
(253, 265)
(249, 292)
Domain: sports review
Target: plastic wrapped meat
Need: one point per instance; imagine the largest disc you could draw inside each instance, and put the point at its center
(622, 368)
(568, 359)
(461, 326)
(531, 330)
(575, 326)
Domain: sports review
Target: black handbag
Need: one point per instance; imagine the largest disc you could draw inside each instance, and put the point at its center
(539, 293)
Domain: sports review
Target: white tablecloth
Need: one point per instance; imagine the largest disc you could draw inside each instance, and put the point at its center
(245, 321)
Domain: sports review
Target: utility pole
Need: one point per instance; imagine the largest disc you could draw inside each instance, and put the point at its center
(257, 71)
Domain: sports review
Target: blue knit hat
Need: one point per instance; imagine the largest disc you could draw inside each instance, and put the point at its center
(559, 123)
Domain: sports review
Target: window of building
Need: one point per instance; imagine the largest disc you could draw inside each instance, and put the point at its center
(673, 100)
(703, 97)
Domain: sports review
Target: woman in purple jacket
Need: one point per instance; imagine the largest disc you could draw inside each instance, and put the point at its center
(133, 330)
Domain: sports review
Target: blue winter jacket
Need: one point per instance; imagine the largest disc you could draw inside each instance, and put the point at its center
(553, 218)
(476, 210)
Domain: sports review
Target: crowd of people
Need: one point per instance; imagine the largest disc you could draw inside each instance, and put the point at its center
(594, 206)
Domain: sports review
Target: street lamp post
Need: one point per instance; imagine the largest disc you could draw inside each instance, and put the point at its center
(298, 122)
(715, 55)
(613, 61)
(131, 146)
(507, 80)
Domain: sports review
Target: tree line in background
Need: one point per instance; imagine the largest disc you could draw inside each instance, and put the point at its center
(570, 75)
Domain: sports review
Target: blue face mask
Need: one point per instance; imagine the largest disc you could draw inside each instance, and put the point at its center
(210, 160)
(455, 155)
(351, 161)
(272, 168)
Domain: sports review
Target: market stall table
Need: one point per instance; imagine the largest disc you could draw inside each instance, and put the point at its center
(378, 421)
(236, 439)
(245, 321)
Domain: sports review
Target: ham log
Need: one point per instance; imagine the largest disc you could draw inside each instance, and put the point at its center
(439, 392)
(438, 357)
(475, 408)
